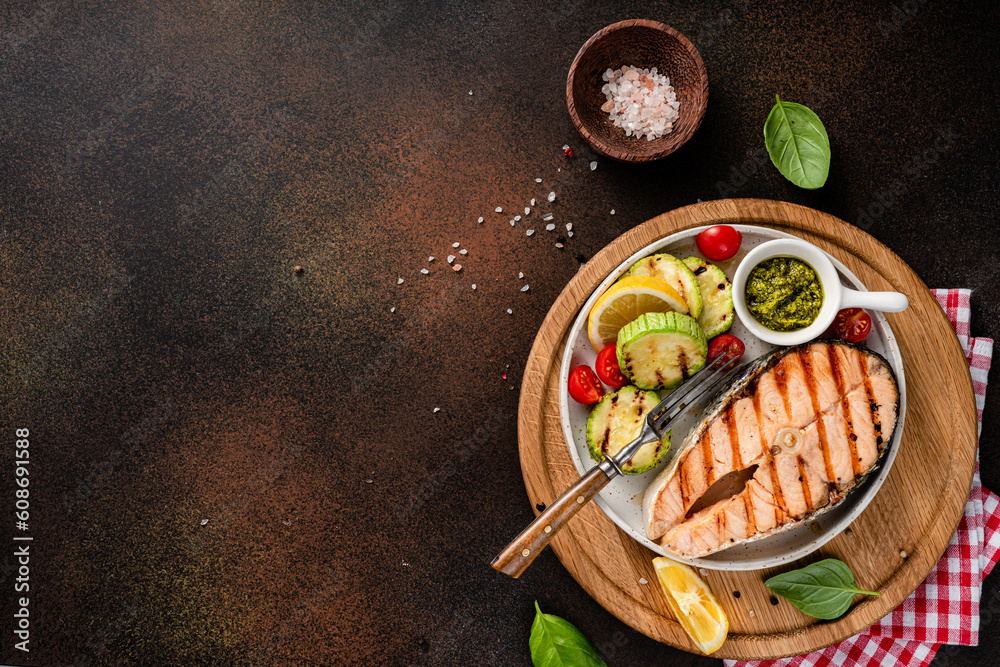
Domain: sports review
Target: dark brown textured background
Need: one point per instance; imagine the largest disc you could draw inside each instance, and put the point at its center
(164, 165)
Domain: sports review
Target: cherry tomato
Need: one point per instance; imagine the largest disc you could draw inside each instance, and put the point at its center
(724, 344)
(584, 386)
(719, 243)
(852, 325)
(608, 369)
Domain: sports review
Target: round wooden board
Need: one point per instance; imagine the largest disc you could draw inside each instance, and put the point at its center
(916, 511)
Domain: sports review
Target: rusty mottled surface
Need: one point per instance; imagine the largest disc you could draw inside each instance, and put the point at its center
(165, 165)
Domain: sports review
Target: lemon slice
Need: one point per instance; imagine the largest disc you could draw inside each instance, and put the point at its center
(693, 604)
(626, 300)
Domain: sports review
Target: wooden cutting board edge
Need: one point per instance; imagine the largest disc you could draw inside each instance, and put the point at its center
(573, 552)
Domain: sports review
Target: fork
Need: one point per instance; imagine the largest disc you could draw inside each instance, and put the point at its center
(519, 554)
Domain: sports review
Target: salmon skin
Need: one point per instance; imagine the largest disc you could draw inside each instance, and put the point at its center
(815, 420)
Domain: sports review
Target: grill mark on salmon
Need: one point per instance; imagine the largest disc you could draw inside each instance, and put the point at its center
(821, 387)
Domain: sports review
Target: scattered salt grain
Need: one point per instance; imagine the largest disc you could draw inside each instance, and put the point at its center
(463, 251)
(204, 522)
(703, 572)
(393, 309)
(457, 267)
(424, 271)
(559, 245)
(593, 166)
(612, 211)
(569, 226)
(752, 614)
(524, 289)
(436, 410)
(510, 312)
(480, 219)
(569, 234)
(547, 217)
(642, 580)
(511, 223)
(470, 92)
(473, 285)
(552, 196)
(565, 146)
(451, 258)
(549, 227)
(498, 209)
(538, 180)
(431, 258)
(527, 210)
(455, 244)
(520, 274)
(903, 554)
(516, 218)
(529, 232)
(399, 281)
(640, 101)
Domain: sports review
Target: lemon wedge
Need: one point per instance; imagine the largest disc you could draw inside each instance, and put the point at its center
(626, 300)
(693, 604)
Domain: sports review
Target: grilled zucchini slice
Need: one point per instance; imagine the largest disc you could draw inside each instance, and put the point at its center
(676, 274)
(716, 294)
(661, 350)
(616, 421)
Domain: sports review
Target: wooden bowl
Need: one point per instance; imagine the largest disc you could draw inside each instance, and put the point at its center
(640, 43)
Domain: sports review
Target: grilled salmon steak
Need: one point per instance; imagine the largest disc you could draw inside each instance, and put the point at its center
(802, 426)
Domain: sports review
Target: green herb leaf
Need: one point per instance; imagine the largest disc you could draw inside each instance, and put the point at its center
(822, 590)
(555, 642)
(798, 144)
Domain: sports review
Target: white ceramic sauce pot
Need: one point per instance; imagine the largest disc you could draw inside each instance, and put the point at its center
(835, 295)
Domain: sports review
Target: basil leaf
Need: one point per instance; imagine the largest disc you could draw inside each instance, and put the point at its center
(822, 590)
(556, 642)
(798, 144)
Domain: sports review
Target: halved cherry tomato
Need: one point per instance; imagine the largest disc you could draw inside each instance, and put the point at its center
(608, 369)
(584, 386)
(719, 243)
(852, 325)
(724, 344)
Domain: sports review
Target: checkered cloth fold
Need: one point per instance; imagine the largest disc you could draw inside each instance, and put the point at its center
(945, 608)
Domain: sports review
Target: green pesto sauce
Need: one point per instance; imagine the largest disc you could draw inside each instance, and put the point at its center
(784, 294)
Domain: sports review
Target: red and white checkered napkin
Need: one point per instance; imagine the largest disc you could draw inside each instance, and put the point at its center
(945, 608)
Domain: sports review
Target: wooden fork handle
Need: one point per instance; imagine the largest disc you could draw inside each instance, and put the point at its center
(519, 554)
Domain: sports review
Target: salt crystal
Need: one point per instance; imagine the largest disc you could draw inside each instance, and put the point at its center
(470, 92)
(498, 209)
(437, 409)
(703, 572)
(593, 166)
(480, 219)
(451, 258)
(524, 289)
(529, 232)
(473, 285)
(431, 258)
(399, 282)
(538, 180)
(565, 146)
(455, 244)
(552, 196)
(393, 309)
(457, 267)
(642, 580)
(463, 251)
(510, 312)
(570, 234)
(532, 202)
(569, 226)
(549, 227)
(424, 271)
(547, 217)
(520, 274)
(612, 211)
(511, 223)
(752, 614)
(527, 210)
(516, 218)
(559, 245)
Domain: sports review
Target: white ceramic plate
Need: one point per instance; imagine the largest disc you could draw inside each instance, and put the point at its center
(621, 500)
